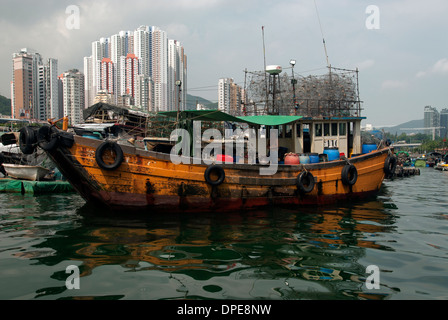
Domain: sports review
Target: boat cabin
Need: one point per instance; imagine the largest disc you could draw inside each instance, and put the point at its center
(296, 134)
(315, 135)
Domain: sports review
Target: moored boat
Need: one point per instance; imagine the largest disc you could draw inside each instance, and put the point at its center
(123, 176)
(25, 172)
(442, 166)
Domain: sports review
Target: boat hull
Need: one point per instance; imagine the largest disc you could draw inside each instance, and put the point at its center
(150, 181)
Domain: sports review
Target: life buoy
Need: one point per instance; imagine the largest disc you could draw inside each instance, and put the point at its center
(47, 137)
(305, 182)
(27, 140)
(389, 165)
(219, 171)
(109, 145)
(349, 175)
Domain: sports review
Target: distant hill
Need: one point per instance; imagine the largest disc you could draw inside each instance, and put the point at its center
(407, 125)
(192, 101)
(5, 106)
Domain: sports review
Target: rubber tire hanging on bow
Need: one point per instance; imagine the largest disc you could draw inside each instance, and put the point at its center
(47, 137)
(27, 140)
(390, 165)
(305, 182)
(349, 175)
(119, 156)
(219, 171)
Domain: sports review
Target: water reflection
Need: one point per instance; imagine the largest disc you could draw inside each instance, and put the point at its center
(311, 253)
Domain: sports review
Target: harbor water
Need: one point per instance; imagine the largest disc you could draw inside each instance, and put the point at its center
(272, 254)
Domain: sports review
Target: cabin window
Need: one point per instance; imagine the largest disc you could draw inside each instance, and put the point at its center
(288, 132)
(334, 129)
(343, 129)
(299, 130)
(280, 131)
(326, 129)
(318, 129)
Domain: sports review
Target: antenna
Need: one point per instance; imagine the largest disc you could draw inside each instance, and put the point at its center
(322, 33)
(265, 74)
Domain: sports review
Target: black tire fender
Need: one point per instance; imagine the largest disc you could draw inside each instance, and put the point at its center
(390, 165)
(115, 148)
(305, 182)
(219, 171)
(349, 175)
(47, 137)
(27, 140)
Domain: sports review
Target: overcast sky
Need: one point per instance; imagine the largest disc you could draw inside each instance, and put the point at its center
(403, 60)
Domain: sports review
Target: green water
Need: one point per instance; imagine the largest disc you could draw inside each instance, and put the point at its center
(274, 254)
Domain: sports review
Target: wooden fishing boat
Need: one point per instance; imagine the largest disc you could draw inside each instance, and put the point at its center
(120, 175)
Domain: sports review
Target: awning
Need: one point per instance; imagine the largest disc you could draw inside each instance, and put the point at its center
(268, 120)
(216, 115)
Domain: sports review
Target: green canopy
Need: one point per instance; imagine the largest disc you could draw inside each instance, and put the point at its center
(216, 115)
(270, 120)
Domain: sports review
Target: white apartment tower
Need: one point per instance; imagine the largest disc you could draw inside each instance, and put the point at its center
(177, 76)
(73, 95)
(51, 93)
(142, 49)
(159, 68)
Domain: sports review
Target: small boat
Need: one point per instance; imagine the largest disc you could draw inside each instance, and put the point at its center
(24, 172)
(442, 166)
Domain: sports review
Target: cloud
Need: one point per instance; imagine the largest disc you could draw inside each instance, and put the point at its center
(439, 68)
(393, 84)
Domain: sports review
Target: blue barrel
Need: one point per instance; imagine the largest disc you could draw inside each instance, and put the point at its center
(314, 157)
(366, 148)
(333, 153)
(304, 158)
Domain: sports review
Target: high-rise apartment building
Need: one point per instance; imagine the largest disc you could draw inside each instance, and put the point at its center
(444, 123)
(34, 86)
(73, 95)
(107, 76)
(50, 93)
(89, 94)
(142, 49)
(431, 121)
(132, 67)
(144, 93)
(177, 76)
(150, 50)
(159, 68)
(230, 96)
